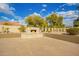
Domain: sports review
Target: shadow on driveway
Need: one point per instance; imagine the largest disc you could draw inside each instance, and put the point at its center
(69, 38)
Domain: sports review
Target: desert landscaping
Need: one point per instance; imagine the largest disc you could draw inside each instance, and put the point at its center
(39, 29)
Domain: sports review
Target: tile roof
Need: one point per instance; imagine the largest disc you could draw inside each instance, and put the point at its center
(11, 23)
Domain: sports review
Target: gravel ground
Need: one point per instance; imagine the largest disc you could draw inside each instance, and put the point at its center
(64, 37)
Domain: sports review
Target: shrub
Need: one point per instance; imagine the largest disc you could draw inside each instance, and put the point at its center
(73, 31)
(22, 28)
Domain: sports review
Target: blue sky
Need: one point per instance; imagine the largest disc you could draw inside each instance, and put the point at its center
(18, 11)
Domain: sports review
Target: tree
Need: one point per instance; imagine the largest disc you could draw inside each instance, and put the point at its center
(52, 19)
(35, 21)
(76, 22)
(77, 10)
(29, 21)
(55, 20)
(60, 21)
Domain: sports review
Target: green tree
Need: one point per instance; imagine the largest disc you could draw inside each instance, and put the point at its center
(76, 22)
(35, 21)
(55, 20)
(29, 21)
(60, 21)
(52, 19)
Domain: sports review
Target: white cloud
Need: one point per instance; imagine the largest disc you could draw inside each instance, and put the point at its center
(69, 17)
(21, 20)
(12, 8)
(5, 8)
(61, 7)
(67, 14)
(5, 18)
(68, 22)
(44, 5)
(71, 14)
(62, 13)
(70, 4)
(35, 13)
(43, 10)
(12, 20)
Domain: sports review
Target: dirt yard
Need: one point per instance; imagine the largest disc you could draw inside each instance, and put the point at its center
(44, 46)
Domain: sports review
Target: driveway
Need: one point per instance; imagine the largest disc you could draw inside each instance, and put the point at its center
(44, 46)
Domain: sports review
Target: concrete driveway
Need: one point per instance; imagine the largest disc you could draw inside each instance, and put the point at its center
(43, 46)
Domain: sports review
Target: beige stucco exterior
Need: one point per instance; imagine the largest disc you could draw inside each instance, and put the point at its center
(11, 28)
(16, 29)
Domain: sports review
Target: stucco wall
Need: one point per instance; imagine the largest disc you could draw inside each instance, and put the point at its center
(15, 28)
(11, 28)
(28, 29)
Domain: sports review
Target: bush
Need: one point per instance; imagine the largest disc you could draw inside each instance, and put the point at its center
(22, 28)
(73, 31)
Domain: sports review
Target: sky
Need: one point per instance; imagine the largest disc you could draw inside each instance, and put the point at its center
(18, 11)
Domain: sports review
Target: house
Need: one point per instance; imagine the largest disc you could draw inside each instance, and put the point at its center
(12, 26)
